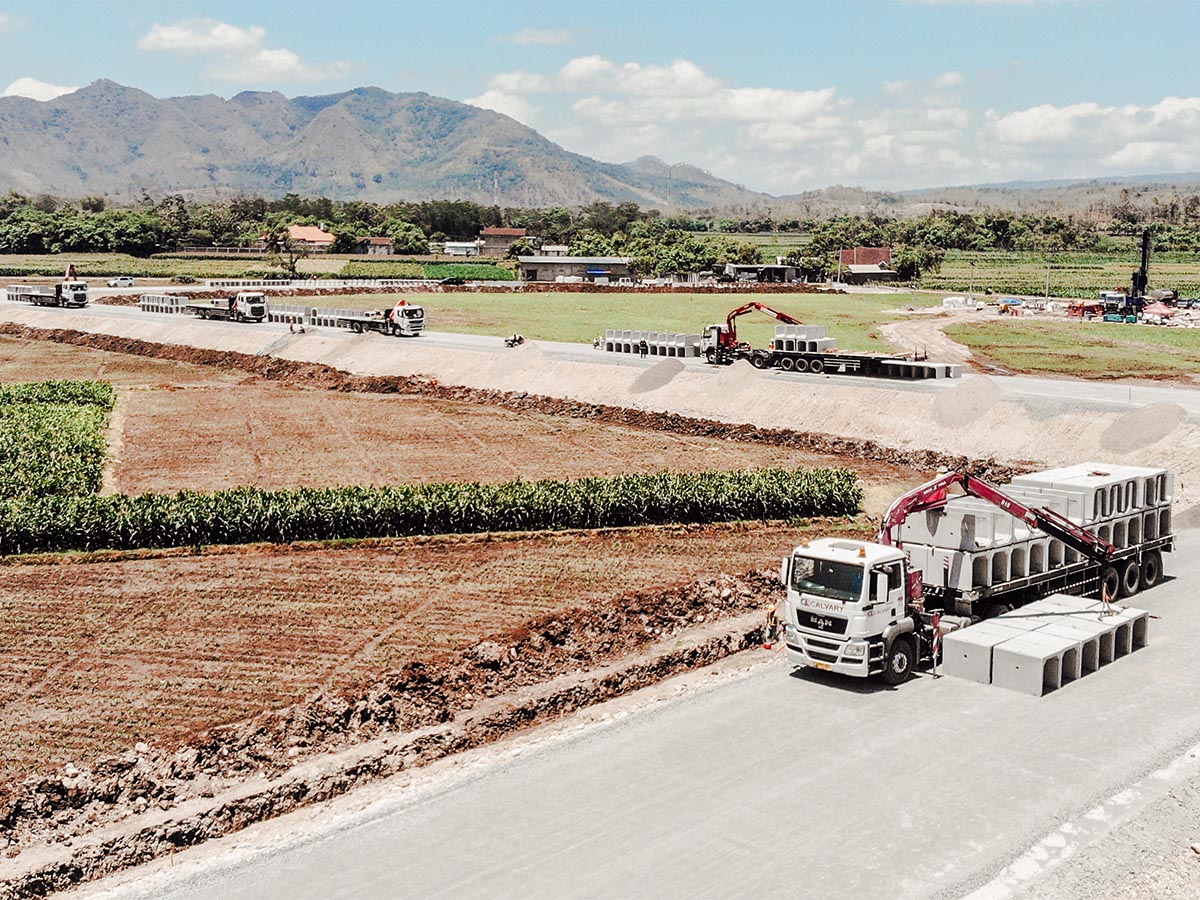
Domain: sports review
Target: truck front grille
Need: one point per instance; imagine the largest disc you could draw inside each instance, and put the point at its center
(818, 622)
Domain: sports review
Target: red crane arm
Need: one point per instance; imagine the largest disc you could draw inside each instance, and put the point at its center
(933, 495)
(731, 326)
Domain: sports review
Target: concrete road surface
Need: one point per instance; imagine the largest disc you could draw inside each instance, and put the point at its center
(775, 784)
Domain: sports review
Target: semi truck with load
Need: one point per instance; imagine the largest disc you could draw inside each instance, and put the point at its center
(805, 348)
(942, 562)
(402, 320)
(247, 306)
(66, 293)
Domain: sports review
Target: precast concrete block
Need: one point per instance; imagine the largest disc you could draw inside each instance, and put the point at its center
(967, 653)
(1089, 642)
(1130, 627)
(1036, 663)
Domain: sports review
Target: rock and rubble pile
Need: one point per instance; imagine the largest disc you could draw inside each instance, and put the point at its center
(318, 375)
(497, 674)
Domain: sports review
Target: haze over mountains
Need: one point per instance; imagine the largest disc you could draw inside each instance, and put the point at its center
(370, 144)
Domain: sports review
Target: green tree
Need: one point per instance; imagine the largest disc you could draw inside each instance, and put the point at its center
(407, 238)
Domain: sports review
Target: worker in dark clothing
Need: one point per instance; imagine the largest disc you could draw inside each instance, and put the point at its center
(643, 348)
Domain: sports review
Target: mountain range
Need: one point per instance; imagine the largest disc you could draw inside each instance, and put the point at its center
(369, 144)
(364, 144)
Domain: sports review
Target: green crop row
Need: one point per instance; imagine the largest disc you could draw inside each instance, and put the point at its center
(249, 515)
(408, 269)
(52, 438)
(76, 393)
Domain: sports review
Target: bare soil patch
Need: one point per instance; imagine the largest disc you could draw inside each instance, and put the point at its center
(99, 656)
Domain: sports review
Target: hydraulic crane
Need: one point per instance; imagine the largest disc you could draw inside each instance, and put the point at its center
(720, 343)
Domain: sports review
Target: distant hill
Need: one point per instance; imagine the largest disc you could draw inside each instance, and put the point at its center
(365, 144)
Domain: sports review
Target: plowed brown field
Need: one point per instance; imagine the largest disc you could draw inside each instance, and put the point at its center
(97, 656)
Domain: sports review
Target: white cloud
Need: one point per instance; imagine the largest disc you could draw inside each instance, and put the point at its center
(36, 90)
(272, 66)
(546, 37)
(784, 139)
(240, 53)
(202, 36)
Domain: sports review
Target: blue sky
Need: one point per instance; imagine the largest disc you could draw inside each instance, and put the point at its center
(778, 96)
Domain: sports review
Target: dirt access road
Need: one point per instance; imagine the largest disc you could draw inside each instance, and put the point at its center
(771, 784)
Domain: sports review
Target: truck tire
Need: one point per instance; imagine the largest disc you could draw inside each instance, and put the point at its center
(816, 367)
(787, 364)
(801, 364)
(1131, 578)
(760, 361)
(356, 327)
(901, 658)
(1110, 583)
(1151, 569)
(711, 355)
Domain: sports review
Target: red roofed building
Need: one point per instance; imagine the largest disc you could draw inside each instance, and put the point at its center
(496, 241)
(866, 256)
(373, 246)
(311, 235)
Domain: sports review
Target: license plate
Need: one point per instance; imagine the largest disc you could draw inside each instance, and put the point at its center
(822, 666)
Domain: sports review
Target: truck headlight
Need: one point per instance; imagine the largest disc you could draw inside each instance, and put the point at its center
(856, 648)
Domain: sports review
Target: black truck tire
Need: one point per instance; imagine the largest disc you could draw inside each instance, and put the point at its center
(356, 327)
(760, 361)
(1110, 583)
(816, 367)
(787, 364)
(801, 364)
(711, 355)
(1131, 578)
(901, 658)
(1151, 569)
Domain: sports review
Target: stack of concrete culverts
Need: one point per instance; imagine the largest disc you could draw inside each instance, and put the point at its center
(802, 339)
(288, 313)
(164, 303)
(970, 544)
(658, 343)
(1045, 644)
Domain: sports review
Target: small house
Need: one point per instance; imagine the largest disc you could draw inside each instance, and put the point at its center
(555, 249)
(496, 241)
(373, 246)
(595, 269)
(462, 248)
(316, 238)
(866, 256)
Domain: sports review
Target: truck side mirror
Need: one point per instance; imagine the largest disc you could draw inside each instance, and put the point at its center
(785, 571)
(881, 587)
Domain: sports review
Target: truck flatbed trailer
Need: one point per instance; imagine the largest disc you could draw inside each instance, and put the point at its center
(244, 307)
(403, 320)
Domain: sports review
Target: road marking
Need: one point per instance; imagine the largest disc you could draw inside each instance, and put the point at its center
(1063, 842)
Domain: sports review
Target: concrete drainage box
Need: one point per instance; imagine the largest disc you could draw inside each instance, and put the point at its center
(1045, 645)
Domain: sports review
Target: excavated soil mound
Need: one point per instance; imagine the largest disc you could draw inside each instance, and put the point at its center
(1142, 427)
(317, 375)
(75, 801)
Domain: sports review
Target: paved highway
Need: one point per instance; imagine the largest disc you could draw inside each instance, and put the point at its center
(1044, 395)
(774, 784)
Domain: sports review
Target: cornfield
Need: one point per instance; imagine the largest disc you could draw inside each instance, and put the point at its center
(52, 437)
(245, 515)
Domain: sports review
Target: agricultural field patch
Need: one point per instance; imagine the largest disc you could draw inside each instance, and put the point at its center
(52, 437)
(853, 319)
(97, 656)
(1083, 349)
(1076, 274)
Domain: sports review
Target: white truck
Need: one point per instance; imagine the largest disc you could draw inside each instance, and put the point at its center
(863, 608)
(402, 320)
(65, 293)
(247, 306)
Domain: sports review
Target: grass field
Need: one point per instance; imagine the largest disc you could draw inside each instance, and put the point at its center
(1082, 274)
(770, 243)
(96, 265)
(852, 319)
(1087, 350)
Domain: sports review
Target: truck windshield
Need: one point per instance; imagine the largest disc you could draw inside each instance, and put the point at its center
(840, 581)
(413, 312)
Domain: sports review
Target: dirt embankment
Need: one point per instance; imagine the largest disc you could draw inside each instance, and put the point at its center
(317, 375)
(82, 822)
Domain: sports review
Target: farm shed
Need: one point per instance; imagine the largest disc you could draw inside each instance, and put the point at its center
(600, 269)
(373, 246)
(865, 256)
(760, 272)
(861, 274)
(496, 241)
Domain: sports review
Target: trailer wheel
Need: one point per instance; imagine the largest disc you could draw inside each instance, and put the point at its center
(1131, 578)
(801, 364)
(787, 364)
(1151, 569)
(1110, 583)
(356, 327)
(816, 367)
(760, 361)
(900, 660)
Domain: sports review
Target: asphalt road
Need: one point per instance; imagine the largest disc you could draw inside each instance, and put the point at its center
(1043, 395)
(776, 784)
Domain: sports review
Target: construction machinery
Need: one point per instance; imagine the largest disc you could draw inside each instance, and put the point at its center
(402, 320)
(70, 292)
(246, 306)
(942, 562)
(805, 348)
(720, 344)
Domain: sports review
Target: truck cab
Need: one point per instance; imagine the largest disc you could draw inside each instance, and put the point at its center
(249, 306)
(846, 609)
(72, 293)
(407, 319)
